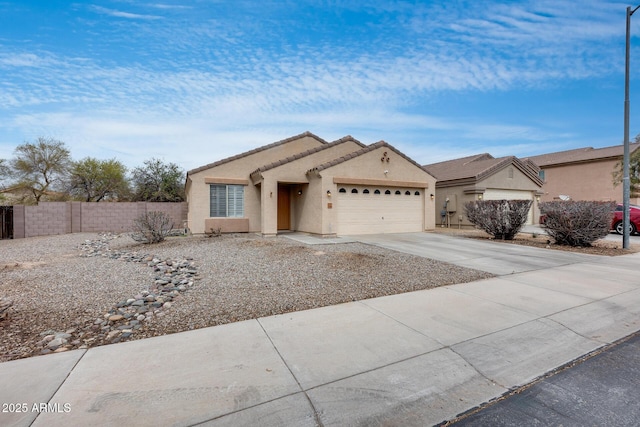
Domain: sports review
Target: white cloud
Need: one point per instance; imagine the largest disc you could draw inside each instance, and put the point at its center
(215, 87)
(212, 135)
(20, 60)
(168, 6)
(119, 14)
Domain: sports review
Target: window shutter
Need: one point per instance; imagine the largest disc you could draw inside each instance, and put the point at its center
(235, 201)
(218, 201)
(226, 201)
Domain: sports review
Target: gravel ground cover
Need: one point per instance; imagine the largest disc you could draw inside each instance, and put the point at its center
(59, 293)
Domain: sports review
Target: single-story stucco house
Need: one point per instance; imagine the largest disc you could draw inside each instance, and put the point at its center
(582, 174)
(307, 184)
(483, 177)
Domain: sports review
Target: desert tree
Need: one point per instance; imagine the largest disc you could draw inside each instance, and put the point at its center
(4, 172)
(40, 167)
(157, 181)
(94, 180)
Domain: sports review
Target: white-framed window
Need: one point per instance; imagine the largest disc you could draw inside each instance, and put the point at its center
(226, 201)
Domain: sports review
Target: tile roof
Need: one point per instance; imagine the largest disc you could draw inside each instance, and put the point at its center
(362, 151)
(305, 153)
(464, 167)
(478, 167)
(255, 150)
(585, 154)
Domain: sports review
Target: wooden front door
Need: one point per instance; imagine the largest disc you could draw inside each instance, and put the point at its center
(284, 217)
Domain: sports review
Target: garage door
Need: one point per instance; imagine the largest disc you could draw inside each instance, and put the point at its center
(373, 210)
(494, 194)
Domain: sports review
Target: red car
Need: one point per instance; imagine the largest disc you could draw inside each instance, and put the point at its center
(634, 219)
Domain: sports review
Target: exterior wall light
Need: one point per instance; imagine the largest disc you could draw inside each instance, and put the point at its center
(299, 192)
(479, 196)
(432, 196)
(328, 193)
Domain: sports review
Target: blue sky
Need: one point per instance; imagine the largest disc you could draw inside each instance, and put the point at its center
(195, 81)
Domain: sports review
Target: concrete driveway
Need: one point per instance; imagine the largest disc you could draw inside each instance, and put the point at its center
(493, 257)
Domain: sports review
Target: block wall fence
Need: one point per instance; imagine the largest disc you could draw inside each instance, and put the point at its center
(49, 218)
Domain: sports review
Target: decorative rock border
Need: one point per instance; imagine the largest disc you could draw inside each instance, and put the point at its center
(172, 277)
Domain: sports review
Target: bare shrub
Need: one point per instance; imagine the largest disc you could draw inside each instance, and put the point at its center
(152, 227)
(502, 219)
(577, 223)
(213, 232)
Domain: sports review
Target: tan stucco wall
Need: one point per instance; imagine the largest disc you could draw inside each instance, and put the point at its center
(227, 225)
(457, 194)
(198, 190)
(294, 173)
(310, 207)
(369, 166)
(499, 181)
(583, 181)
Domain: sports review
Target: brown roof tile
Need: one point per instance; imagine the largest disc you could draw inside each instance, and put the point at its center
(362, 151)
(255, 150)
(478, 167)
(585, 154)
(464, 167)
(289, 159)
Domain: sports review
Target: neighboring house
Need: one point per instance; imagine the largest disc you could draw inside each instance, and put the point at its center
(483, 177)
(307, 184)
(582, 174)
(18, 195)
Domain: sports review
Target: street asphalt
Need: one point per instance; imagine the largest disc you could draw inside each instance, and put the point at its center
(419, 358)
(600, 391)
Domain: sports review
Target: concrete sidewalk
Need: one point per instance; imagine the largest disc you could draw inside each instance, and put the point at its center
(412, 359)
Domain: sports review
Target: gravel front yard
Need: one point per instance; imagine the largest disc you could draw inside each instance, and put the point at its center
(56, 290)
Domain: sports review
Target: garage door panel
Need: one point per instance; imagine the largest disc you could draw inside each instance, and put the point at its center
(494, 194)
(380, 213)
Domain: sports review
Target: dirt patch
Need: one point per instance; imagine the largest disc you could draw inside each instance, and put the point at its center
(21, 265)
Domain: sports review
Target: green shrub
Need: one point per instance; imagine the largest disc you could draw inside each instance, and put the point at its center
(502, 219)
(577, 223)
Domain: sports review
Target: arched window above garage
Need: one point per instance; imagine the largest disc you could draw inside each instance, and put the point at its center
(377, 191)
(407, 193)
(398, 192)
(387, 192)
(342, 190)
(354, 191)
(365, 191)
(417, 193)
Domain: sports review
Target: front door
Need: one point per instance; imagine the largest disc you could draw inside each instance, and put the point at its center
(284, 205)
